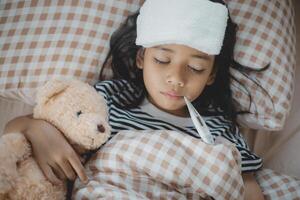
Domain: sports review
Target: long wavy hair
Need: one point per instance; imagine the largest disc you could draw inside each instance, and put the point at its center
(215, 98)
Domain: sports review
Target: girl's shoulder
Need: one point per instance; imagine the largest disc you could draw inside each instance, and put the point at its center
(115, 87)
(114, 84)
(118, 91)
(219, 120)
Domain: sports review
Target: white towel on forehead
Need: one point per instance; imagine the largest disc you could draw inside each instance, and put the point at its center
(199, 24)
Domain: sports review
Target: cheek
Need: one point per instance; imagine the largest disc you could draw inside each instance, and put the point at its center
(148, 76)
(151, 80)
(195, 88)
(194, 94)
(151, 72)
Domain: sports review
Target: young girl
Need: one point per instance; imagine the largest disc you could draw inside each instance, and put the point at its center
(164, 52)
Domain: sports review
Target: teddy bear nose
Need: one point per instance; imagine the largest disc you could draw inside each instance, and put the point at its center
(101, 128)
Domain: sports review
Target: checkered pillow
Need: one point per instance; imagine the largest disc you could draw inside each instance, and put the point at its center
(162, 165)
(44, 39)
(266, 35)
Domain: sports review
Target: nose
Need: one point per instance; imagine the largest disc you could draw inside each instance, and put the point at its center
(175, 83)
(176, 78)
(101, 128)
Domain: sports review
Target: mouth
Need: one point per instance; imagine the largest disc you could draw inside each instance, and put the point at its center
(172, 95)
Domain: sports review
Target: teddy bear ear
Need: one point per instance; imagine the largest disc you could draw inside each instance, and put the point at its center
(50, 90)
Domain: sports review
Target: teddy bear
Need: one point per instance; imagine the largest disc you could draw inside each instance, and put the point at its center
(79, 112)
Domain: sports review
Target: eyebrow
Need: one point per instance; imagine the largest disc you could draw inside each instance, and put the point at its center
(201, 56)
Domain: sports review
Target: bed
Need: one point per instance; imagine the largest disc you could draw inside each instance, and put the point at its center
(42, 39)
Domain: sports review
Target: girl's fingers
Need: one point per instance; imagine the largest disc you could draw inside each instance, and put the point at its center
(68, 170)
(79, 169)
(49, 174)
(58, 172)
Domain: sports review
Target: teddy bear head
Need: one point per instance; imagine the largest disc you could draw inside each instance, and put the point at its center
(77, 110)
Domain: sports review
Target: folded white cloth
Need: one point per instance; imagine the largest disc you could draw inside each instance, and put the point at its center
(199, 24)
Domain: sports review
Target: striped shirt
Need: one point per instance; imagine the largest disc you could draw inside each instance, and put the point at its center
(119, 93)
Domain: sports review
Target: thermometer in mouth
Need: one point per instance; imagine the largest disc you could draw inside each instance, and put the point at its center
(199, 123)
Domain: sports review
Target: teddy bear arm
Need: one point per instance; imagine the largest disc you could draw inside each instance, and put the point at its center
(13, 148)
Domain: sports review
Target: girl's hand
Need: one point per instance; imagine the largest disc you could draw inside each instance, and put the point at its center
(53, 153)
(252, 188)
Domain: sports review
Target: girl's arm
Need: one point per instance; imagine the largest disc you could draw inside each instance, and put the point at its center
(51, 150)
(252, 189)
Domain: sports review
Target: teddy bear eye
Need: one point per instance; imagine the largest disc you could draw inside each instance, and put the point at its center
(79, 113)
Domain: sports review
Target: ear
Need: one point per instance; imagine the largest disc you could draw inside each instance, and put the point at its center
(211, 78)
(51, 90)
(140, 58)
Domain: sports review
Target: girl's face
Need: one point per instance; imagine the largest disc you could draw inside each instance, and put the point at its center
(173, 71)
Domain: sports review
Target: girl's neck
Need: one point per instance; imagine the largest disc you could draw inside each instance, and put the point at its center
(182, 112)
(154, 111)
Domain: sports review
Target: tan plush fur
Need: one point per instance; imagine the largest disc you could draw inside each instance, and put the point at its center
(79, 112)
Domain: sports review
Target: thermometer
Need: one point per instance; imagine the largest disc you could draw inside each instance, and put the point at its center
(199, 123)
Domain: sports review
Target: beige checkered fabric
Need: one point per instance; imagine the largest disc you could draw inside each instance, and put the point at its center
(266, 35)
(40, 39)
(162, 165)
(276, 186)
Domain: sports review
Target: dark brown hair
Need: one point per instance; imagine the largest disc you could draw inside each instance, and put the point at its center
(215, 99)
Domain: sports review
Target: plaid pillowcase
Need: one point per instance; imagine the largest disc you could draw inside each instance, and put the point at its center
(44, 39)
(266, 35)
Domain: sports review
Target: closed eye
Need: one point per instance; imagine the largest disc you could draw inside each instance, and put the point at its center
(195, 69)
(160, 61)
